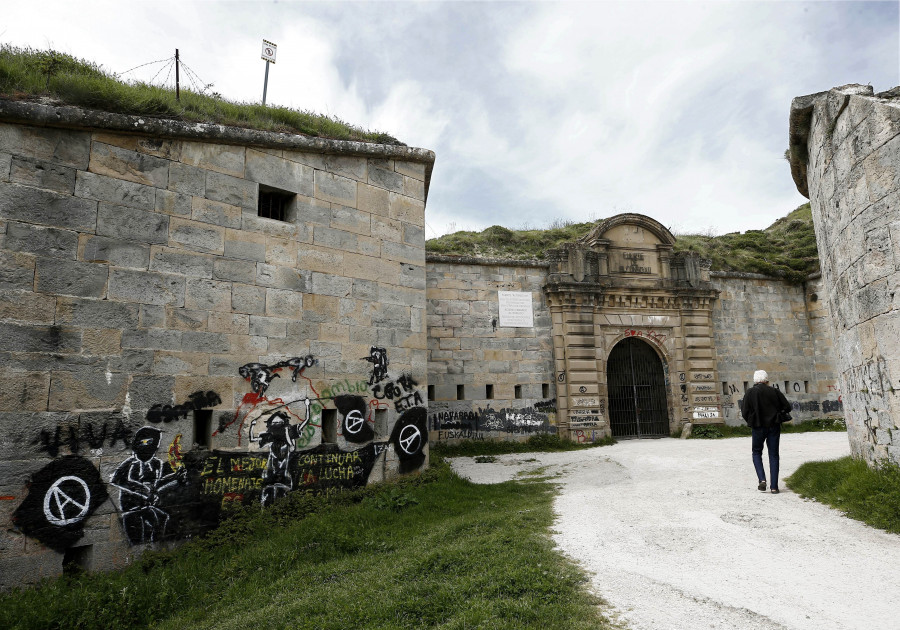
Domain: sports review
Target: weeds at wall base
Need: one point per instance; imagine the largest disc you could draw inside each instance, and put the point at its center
(540, 443)
(870, 495)
(717, 431)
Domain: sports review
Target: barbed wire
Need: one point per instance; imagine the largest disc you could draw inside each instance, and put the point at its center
(193, 79)
(144, 64)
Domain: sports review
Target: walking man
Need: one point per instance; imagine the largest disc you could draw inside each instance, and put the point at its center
(762, 407)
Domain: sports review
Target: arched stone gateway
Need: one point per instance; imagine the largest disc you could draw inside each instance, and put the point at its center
(636, 382)
(622, 289)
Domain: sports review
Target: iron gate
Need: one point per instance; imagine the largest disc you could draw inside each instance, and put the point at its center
(637, 391)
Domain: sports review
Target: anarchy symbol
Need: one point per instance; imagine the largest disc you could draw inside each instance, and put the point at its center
(354, 421)
(67, 501)
(410, 439)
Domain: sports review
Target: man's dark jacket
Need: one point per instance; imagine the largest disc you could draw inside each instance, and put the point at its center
(761, 405)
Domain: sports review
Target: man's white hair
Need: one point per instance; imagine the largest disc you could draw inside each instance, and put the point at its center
(760, 376)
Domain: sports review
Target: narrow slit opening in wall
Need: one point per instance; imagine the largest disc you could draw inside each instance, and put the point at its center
(329, 426)
(805, 387)
(725, 388)
(745, 387)
(787, 386)
(202, 427)
(77, 559)
(489, 392)
(275, 204)
(431, 392)
(460, 392)
(381, 421)
(517, 391)
(545, 390)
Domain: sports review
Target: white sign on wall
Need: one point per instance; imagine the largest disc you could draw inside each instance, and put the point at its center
(268, 51)
(515, 309)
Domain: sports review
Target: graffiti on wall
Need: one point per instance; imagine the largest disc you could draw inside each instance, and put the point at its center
(162, 492)
(473, 424)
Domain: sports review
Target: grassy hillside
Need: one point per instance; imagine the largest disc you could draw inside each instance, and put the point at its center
(28, 74)
(787, 248)
(433, 551)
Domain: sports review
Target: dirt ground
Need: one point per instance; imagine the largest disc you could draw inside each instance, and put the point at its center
(676, 536)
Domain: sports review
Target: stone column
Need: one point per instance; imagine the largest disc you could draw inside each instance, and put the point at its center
(845, 157)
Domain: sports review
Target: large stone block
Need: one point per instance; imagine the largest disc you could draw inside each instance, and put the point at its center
(152, 339)
(173, 203)
(179, 261)
(185, 319)
(27, 307)
(67, 277)
(146, 390)
(5, 165)
(235, 270)
(82, 312)
(189, 363)
(146, 287)
(33, 205)
(43, 241)
(60, 146)
(336, 189)
(281, 277)
(202, 237)
(308, 210)
(284, 303)
(328, 284)
(54, 339)
(41, 174)
(216, 212)
(23, 391)
(335, 239)
(157, 147)
(407, 209)
(229, 323)
(204, 341)
(351, 220)
(116, 191)
(231, 190)
(416, 170)
(86, 390)
(246, 246)
(208, 295)
(132, 224)
(101, 341)
(187, 179)
(385, 178)
(281, 251)
(220, 158)
(248, 298)
(277, 172)
(403, 253)
(267, 326)
(117, 253)
(129, 165)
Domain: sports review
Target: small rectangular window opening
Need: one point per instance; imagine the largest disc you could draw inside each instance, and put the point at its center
(745, 387)
(489, 392)
(545, 390)
(725, 388)
(329, 426)
(431, 392)
(517, 391)
(460, 392)
(787, 386)
(805, 387)
(273, 204)
(202, 427)
(77, 559)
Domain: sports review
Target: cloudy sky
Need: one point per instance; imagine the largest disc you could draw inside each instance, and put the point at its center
(538, 112)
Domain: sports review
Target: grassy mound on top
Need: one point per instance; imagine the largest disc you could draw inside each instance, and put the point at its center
(28, 74)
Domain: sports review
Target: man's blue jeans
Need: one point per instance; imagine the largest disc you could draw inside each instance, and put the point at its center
(770, 436)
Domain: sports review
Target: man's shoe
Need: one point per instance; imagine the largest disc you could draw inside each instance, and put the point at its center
(775, 490)
(762, 486)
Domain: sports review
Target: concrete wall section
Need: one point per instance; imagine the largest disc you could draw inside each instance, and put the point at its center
(167, 353)
(760, 323)
(487, 380)
(844, 156)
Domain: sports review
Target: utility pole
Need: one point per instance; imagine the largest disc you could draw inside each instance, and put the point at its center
(268, 54)
(177, 78)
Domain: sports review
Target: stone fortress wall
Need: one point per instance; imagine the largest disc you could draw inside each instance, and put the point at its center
(194, 317)
(844, 148)
(758, 323)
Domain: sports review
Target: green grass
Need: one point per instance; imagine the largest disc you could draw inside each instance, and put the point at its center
(865, 494)
(716, 431)
(433, 551)
(785, 249)
(28, 74)
(542, 442)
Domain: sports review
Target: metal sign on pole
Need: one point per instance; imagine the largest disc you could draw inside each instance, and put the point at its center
(268, 54)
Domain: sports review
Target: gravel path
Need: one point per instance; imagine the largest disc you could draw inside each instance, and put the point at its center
(677, 536)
